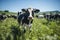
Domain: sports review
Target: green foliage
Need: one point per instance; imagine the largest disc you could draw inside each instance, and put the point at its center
(41, 30)
(6, 11)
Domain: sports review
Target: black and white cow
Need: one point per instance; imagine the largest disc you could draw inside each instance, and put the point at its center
(2, 17)
(13, 16)
(52, 17)
(49, 17)
(40, 16)
(57, 16)
(27, 16)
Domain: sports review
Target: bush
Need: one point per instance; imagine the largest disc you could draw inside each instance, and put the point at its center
(6, 11)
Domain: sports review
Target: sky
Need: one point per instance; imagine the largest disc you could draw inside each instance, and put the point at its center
(17, 5)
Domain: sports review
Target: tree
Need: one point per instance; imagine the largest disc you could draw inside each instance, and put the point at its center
(6, 11)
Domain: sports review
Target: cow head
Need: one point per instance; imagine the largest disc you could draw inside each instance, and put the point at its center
(30, 12)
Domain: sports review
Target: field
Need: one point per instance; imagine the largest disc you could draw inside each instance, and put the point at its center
(45, 15)
(41, 30)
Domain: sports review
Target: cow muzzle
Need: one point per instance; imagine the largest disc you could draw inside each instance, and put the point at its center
(30, 18)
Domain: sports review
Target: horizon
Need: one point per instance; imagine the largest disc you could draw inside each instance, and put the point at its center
(42, 5)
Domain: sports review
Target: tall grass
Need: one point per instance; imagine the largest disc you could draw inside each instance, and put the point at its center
(41, 30)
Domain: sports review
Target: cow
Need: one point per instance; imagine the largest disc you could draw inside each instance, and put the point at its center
(40, 16)
(8, 16)
(49, 17)
(19, 13)
(57, 16)
(14, 16)
(2, 17)
(52, 17)
(27, 16)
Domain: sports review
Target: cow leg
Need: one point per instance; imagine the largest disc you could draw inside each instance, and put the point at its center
(30, 24)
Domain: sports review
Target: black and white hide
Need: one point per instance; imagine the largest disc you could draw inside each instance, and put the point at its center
(27, 16)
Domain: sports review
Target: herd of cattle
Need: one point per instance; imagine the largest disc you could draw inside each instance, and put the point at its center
(26, 16)
(56, 16)
(2, 17)
(49, 17)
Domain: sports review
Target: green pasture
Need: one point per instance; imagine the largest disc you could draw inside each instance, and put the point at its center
(41, 29)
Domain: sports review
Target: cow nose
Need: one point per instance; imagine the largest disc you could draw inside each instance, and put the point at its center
(30, 17)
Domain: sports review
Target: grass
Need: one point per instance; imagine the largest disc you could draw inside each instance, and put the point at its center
(41, 30)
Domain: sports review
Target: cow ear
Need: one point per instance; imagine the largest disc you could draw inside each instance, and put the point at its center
(24, 10)
(36, 10)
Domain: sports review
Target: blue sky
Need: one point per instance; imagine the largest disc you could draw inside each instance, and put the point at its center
(17, 5)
